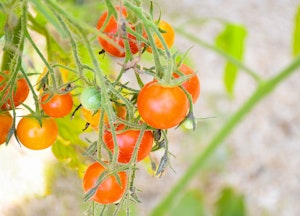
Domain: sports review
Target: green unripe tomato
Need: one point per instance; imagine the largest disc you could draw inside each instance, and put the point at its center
(90, 99)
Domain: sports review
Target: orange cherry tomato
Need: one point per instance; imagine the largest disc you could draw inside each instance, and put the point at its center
(192, 85)
(58, 106)
(20, 92)
(167, 33)
(162, 107)
(35, 136)
(109, 191)
(111, 30)
(6, 122)
(94, 118)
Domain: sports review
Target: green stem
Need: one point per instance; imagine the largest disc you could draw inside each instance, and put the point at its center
(148, 25)
(222, 53)
(43, 59)
(262, 91)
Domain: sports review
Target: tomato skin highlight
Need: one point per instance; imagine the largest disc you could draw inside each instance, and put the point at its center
(162, 107)
(111, 30)
(6, 122)
(58, 106)
(19, 94)
(34, 136)
(192, 85)
(168, 35)
(109, 191)
(127, 141)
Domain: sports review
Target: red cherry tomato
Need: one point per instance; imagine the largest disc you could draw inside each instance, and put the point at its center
(109, 191)
(127, 141)
(35, 136)
(58, 106)
(20, 92)
(111, 30)
(192, 85)
(6, 122)
(162, 107)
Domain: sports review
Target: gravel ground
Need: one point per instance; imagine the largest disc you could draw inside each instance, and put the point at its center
(260, 158)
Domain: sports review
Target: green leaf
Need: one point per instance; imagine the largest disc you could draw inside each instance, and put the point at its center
(70, 129)
(3, 18)
(69, 147)
(296, 40)
(191, 204)
(231, 40)
(230, 203)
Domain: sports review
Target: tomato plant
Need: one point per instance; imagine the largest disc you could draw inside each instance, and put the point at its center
(113, 30)
(35, 136)
(162, 107)
(93, 118)
(6, 124)
(167, 33)
(90, 99)
(127, 141)
(192, 85)
(58, 105)
(20, 92)
(109, 190)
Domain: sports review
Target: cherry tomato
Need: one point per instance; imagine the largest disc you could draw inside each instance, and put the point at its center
(167, 33)
(127, 141)
(109, 191)
(6, 122)
(162, 107)
(34, 136)
(90, 99)
(58, 106)
(111, 30)
(93, 118)
(20, 92)
(192, 85)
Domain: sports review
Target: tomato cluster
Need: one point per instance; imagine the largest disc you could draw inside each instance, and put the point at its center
(129, 122)
(158, 105)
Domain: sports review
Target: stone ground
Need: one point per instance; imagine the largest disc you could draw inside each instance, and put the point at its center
(260, 158)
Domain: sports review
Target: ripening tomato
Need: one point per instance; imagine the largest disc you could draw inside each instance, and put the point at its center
(112, 29)
(168, 34)
(93, 118)
(162, 107)
(127, 141)
(192, 85)
(35, 136)
(59, 105)
(6, 122)
(109, 191)
(20, 92)
(90, 99)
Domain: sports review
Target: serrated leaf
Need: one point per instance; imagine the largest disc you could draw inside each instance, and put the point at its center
(191, 204)
(296, 39)
(230, 203)
(70, 129)
(231, 40)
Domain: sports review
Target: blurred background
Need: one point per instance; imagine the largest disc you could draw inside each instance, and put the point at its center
(259, 161)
